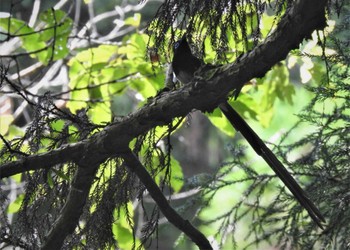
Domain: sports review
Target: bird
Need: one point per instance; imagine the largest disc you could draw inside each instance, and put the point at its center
(185, 65)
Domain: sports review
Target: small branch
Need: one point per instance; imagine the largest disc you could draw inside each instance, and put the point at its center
(133, 163)
(26, 53)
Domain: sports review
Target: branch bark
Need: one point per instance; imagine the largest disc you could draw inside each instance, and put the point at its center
(133, 163)
(73, 208)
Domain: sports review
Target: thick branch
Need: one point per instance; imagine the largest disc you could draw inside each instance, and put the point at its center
(73, 208)
(298, 23)
(174, 218)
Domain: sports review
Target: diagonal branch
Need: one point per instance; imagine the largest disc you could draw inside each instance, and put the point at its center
(133, 163)
(73, 208)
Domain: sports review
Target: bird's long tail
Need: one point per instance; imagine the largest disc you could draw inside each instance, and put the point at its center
(261, 149)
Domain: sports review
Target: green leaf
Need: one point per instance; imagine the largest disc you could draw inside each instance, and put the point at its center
(55, 33)
(79, 98)
(100, 113)
(266, 24)
(220, 121)
(135, 47)
(50, 180)
(14, 131)
(5, 121)
(162, 131)
(245, 105)
(122, 228)
(177, 177)
(57, 125)
(28, 36)
(134, 20)
(175, 173)
(48, 43)
(144, 86)
(275, 85)
(57, 22)
(16, 204)
(117, 88)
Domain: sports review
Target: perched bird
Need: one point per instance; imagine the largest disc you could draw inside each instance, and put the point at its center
(184, 66)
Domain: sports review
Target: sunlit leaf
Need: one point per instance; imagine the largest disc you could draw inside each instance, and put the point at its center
(100, 113)
(176, 180)
(57, 125)
(122, 229)
(55, 33)
(29, 37)
(49, 179)
(15, 205)
(134, 20)
(144, 87)
(245, 105)
(5, 121)
(221, 122)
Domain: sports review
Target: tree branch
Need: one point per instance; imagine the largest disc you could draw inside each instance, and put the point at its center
(133, 163)
(44, 160)
(73, 208)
